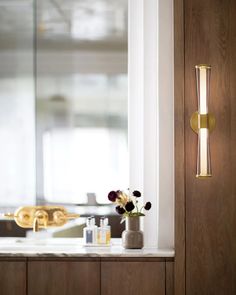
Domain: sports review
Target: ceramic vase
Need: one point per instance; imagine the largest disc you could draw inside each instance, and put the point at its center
(132, 236)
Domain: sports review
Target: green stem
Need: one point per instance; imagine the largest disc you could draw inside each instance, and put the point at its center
(141, 209)
(136, 205)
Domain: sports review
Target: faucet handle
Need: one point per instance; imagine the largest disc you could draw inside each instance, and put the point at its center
(9, 215)
(60, 217)
(72, 215)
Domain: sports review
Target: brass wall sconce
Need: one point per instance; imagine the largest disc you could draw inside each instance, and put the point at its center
(202, 122)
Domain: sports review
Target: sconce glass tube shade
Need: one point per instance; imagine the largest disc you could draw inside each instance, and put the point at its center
(203, 73)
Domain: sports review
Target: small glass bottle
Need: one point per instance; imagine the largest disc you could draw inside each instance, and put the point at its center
(88, 232)
(94, 229)
(108, 231)
(104, 232)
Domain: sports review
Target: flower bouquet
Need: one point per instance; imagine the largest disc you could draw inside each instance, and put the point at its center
(128, 207)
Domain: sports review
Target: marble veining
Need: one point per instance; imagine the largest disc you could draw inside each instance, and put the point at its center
(64, 247)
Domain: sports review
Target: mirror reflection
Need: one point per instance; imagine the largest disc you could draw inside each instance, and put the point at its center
(63, 93)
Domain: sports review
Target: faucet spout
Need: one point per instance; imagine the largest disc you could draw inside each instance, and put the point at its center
(40, 220)
(35, 225)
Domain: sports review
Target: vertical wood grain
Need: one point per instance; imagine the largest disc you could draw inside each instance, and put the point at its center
(63, 277)
(170, 278)
(179, 147)
(12, 277)
(126, 278)
(210, 30)
(232, 70)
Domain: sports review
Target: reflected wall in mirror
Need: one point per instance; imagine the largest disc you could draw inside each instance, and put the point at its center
(17, 103)
(81, 99)
(63, 95)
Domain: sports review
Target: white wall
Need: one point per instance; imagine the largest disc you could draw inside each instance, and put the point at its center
(166, 123)
(151, 114)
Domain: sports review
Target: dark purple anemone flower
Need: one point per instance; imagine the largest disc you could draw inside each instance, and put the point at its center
(112, 196)
(148, 206)
(120, 210)
(137, 194)
(129, 206)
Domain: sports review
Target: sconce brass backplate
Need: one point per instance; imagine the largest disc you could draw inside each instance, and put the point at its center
(202, 121)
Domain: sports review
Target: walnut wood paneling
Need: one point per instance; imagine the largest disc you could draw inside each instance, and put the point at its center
(231, 232)
(13, 277)
(126, 278)
(210, 37)
(169, 278)
(179, 147)
(63, 277)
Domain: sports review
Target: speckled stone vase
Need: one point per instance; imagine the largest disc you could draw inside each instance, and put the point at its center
(132, 236)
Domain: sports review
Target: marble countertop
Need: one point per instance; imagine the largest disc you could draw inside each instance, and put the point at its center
(67, 247)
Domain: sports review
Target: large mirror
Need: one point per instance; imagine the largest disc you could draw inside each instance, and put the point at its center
(63, 95)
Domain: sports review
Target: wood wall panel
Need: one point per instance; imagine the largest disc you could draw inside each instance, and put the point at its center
(232, 70)
(210, 37)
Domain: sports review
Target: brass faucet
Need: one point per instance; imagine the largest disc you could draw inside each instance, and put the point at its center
(37, 217)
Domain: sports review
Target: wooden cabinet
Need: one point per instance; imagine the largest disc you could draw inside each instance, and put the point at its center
(86, 276)
(80, 277)
(13, 277)
(169, 278)
(132, 277)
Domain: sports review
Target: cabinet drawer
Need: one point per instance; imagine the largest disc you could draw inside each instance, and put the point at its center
(64, 277)
(131, 277)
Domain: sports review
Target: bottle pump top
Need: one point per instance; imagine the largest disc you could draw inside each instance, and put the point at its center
(88, 221)
(102, 219)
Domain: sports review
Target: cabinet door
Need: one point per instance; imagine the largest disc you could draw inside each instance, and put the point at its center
(64, 277)
(169, 278)
(126, 278)
(12, 277)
